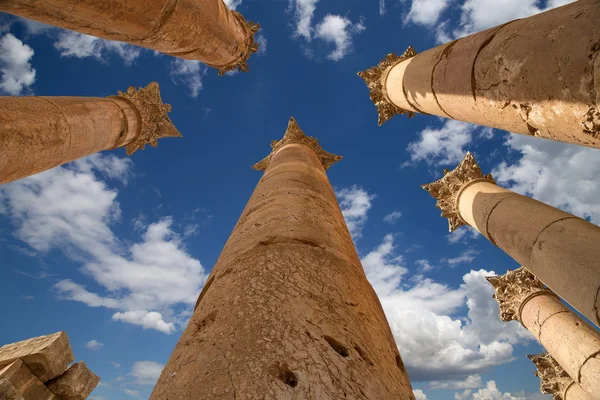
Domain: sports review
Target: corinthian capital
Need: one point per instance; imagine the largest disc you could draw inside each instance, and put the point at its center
(512, 289)
(553, 378)
(294, 134)
(375, 78)
(250, 46)
(445, 189)
(156, 124)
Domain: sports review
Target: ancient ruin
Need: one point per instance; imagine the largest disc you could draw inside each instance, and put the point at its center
(554, 380)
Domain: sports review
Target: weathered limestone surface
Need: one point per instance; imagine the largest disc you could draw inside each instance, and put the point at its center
(574, 344)
(25, 383)
(535, 76)
(75, 384)
(203, 30)
(287, 312)
(558, 248)
(39, 133)
(46, 356)
(8, 391)
(554, 380)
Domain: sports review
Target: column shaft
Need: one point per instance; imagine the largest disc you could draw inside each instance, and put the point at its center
(287, 311)
(535, 76)
(39, 133)
(558, 248)
(203, 30)
(568, 339)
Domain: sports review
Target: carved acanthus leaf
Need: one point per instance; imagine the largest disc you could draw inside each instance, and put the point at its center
(374, 77)
(250, 45)
(445, 189)
(553, 378)
(512, 288)
(294, 134)
(156, 124)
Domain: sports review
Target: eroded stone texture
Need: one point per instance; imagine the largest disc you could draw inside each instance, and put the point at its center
(8, 391)
(535, 76)
(25, 383)
(554, 380)
(76, 383)
(46, 356)
(287, 312)
(39, 133)
(203, 30)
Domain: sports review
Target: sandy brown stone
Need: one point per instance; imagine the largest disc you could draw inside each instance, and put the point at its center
(287, 312)
(25, 383)
(76, 383)
(203, 30)
(8, 391)
(39, 133)
(46, 356)
(535, 76)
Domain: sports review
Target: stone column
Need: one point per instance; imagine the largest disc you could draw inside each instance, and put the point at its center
(535, 76)
(287, 311)
(554, 380)
(39, 133)
(557, 247)
(574, 344)
(202, 30)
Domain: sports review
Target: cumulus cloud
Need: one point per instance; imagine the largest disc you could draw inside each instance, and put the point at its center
(489, 392)
(16, 73)
(426, 12)
(419, 394)
(465, 257)
(304, 11)
(442, 146)
(439, 344)
(338, 30)
(188, 73)
(560, 174)
(462, 234)
(94, 345)
(71, 208)
(355, 202)
(392, 217)
(470, 382)
(79, 45)
(146, 372)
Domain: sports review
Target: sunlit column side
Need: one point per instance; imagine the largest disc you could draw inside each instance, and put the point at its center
(535, 76)
(557, 247)
(554, 380)
(201, 30)
(287, 311)
(573, 343)
(39, 133)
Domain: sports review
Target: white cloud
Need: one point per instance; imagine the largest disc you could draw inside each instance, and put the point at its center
(465, 257)
(262, 45)
(470, 382)
(35, 27)
(338, 30)
(443, 146)
(424, 265)
(355, 202)
(426, 12)
(392, 217)
(146, 372)
(132, 393)
(232, 4)
(384, 269)
(491, 392)
(16, 72)
(71, 209)
(94, 345)
(437, 344)
(304, 11)
(146, 319)
(188, 73)
(78, 45)
(559, 174)
(381, 7)
(419, 394)
(463, 233)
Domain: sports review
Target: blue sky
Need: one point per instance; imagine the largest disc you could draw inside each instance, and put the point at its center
(115, 250)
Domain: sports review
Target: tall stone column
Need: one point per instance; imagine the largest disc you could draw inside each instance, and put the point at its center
(574, 344)
(202, 30)
(557, 247)
(287, 312)
(535, 76)
(554, 380)
(39, 133)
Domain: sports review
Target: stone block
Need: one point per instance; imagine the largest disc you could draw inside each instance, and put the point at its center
(46, 356)
(25, 383)
(8, 391)
(75, 384)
